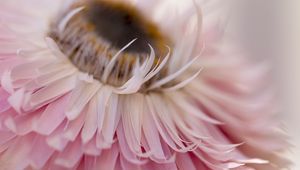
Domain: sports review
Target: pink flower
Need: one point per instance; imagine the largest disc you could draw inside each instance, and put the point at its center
(74, 96)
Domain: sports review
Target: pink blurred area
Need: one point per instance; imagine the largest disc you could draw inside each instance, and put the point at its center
(270, 29)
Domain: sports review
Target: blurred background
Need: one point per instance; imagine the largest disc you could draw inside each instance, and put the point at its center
(270, 29)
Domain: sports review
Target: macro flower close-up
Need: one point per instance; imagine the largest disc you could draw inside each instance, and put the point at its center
(132, 85)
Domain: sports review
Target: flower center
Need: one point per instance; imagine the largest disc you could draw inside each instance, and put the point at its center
(91, 33)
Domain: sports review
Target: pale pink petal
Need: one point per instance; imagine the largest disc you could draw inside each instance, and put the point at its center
(74, 127)
(23, 124)
(184, 161)
(90, 124)
(108, 158)
(18, 152)
(53, 116)
(56, 139)
(81, 95)
(40, 153)
(90, 148)
(52, 92)
(111, 120)
(70, 156)
(4, 105)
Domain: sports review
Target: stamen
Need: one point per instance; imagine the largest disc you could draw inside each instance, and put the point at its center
(62, 25)
(113, 61)
(173, 76)
(183, 83)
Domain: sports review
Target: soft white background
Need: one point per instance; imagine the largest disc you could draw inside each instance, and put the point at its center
(290, 69)
(271, 29)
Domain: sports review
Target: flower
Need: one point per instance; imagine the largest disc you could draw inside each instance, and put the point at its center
(74, 96)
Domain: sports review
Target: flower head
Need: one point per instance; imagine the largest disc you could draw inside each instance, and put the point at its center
(101, 84)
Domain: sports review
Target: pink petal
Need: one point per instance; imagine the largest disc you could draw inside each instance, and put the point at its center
(40, 153)
(90, 124)
(71, 155)
(90, 148)
(56, 139)
(184, 161)
(53, 116)
(18, 152)
(52, 91)
(111, 120)
(74, 127)
(108, 158)
(23, 124)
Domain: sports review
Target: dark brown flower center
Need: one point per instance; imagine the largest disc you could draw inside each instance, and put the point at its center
(119, 24)
(96, 33)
